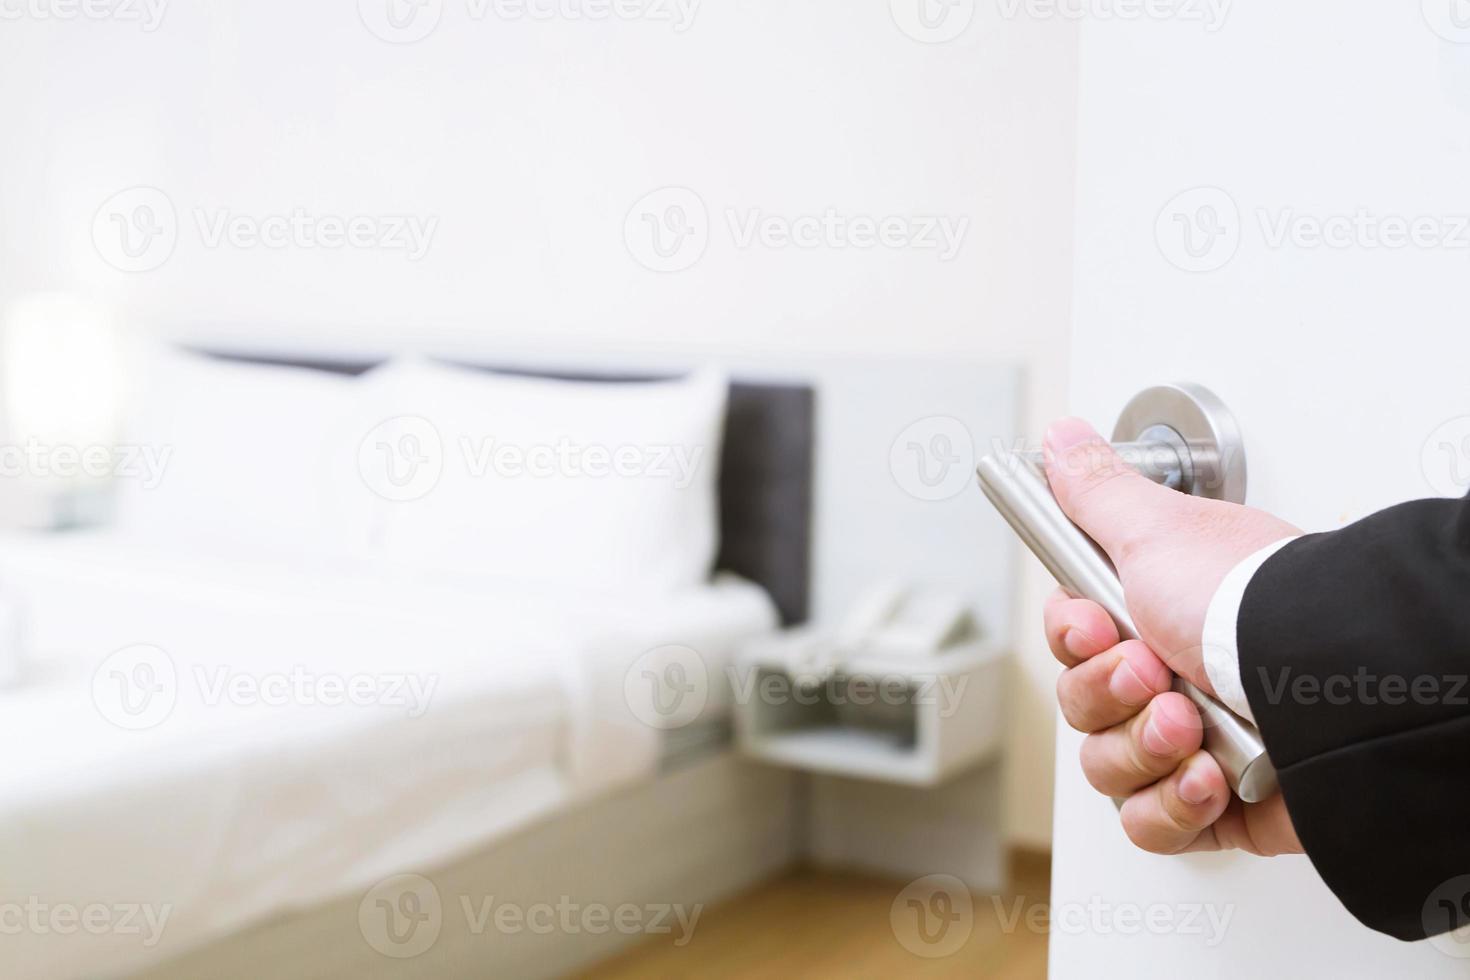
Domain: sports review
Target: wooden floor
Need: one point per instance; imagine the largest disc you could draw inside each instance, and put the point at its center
(818, 924)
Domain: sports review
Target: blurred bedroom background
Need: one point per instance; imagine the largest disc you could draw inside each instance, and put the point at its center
(488, 486)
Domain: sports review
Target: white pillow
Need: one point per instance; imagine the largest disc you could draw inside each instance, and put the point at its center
(609, 485)
(258, 457)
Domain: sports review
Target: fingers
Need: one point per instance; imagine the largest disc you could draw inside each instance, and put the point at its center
(1104, 495)
(1126, 758)
(1146, 745)
(1263, 828)
(1111, 687)
(1077, 629)
(1176, 814)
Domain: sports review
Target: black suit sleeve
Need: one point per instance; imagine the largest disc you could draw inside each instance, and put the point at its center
(1355, 657)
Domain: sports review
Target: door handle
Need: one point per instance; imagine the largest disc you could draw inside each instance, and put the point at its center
(1183, 437)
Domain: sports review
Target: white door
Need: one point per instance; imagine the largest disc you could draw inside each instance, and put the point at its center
(1273, 204)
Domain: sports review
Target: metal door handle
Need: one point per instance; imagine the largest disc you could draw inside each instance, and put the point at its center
(1183, 437)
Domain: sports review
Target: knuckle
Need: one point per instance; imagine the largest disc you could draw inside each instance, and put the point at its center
(1100, 778)
(1135, 646)
(1102, 472)
(1175, 813)
(1183, 719)
(1181, 816)
(1074, 703)
(1138, 754)
(1100, 773)
(1140, 764)
(1056, 641)
(1144, 832)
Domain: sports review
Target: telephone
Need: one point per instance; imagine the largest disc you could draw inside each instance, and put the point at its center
(888, 620)
(893, 620)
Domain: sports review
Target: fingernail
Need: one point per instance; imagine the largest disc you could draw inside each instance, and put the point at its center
(1078, 643)
(1068, 432)
(1194, 788)
(1126, 685)
(1154, 740)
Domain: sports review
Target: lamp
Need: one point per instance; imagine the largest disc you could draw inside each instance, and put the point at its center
(58, 411)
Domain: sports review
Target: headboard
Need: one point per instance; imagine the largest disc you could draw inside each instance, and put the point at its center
(766, 472)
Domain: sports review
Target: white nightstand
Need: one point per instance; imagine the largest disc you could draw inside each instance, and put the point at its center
(898, 785)
(915, 720)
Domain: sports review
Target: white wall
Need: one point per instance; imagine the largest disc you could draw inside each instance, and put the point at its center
(529, 142)
(1345, 365)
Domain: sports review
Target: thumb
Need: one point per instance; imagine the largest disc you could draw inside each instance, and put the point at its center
(1102, 494)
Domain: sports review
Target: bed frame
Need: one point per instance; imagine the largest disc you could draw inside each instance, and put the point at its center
(707, 827)
(692, 837)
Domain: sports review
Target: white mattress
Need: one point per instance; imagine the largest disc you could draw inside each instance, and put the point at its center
(493, 704)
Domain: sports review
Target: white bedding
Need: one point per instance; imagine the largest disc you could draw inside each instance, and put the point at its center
(483, 706)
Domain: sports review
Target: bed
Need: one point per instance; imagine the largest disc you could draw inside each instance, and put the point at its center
(183, 808)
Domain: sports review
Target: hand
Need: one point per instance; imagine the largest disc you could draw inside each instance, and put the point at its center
(1171, 551)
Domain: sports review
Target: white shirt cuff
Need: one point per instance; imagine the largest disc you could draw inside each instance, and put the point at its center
(1221, 654)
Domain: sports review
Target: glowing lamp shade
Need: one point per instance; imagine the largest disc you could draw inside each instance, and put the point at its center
(58, 373)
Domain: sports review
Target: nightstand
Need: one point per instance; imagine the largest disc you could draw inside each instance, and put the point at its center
(899, 753)
(915, 720)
